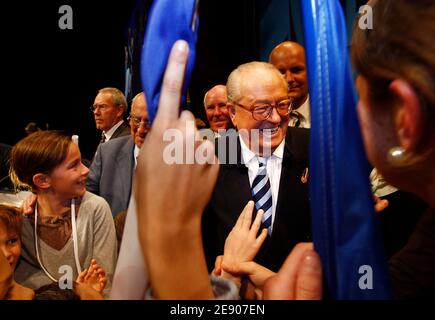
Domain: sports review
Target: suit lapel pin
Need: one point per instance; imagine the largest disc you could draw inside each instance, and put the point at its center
(304, 177)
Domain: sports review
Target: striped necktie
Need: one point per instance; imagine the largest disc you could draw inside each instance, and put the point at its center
(103, 137)
(296, 118)
(262, 195)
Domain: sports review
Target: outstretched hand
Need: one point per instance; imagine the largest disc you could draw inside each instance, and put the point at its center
(94, 276)
(242, 243)
(170, 196)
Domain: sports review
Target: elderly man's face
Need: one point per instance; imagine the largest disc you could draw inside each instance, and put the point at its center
(290, 61)
(139, 120)
(256, 89)
(106, 114)
(216, 108)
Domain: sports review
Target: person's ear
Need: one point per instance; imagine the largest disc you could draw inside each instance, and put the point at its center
(42, 181)
(121, 111)
(232, 112)
(409, 117)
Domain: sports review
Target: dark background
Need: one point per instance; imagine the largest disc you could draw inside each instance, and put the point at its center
(51, 76)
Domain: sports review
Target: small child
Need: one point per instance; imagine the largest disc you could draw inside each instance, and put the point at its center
(10, 248)
(70, 226)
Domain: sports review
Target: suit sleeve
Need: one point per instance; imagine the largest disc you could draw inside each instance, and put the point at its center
(93, 181)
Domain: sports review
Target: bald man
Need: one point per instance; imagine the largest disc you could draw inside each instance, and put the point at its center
(215, 104)
(289, 58)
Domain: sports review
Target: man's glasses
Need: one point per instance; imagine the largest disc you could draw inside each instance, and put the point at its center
(263, 111)
(136, 122)
(101, 107)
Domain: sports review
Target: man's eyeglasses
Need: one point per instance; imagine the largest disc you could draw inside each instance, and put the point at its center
(136, 122)
(263, 111)
(102, 107)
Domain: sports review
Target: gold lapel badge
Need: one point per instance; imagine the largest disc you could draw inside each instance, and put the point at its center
(304, 177)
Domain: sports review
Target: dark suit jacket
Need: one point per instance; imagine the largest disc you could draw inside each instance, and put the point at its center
(122, 130)
(111, 172)
(232, 192)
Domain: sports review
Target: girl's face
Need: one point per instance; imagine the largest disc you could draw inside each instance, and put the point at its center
(10, 245)
(68, 179)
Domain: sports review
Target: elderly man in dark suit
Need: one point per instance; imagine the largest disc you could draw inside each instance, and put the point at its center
(113, 166)
(268, 163)
(108, 109)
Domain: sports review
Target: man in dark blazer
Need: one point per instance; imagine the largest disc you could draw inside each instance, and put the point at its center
(108, 109)
(257, 95)
(111, 171)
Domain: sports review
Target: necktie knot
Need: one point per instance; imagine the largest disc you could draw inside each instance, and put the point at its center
(103, 137)
(296, 118)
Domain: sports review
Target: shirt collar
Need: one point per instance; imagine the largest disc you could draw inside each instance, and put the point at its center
(112, 130)
(136, 154)
(304, 109)
(248, 155)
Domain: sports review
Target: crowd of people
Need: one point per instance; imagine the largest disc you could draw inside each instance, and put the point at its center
(220, 229)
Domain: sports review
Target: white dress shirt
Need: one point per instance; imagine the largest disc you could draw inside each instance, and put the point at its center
(305, 115)
(109, 133)
(273, 166)
(136, 154)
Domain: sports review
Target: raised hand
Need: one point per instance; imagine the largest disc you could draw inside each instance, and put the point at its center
(171, 197)
(94, 276)
(242, 243)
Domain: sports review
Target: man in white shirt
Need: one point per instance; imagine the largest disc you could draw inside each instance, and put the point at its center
(111, 171)
(266, 164)
(289, 58)
(215, 104)
(108, 110)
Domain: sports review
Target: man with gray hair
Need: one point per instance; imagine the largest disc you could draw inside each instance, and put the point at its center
(270, 169)
(111, 171)
(108, 110)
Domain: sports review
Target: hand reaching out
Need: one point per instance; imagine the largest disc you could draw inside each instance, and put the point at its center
(29, 204)
(94, 276)
(242, 243)
(171, 197)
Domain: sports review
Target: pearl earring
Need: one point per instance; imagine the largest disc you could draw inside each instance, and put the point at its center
(396, 155)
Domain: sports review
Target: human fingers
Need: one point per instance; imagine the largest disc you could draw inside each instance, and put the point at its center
(309, 280)
(103, 283)
(101, 272)
(247, 219)
(381, 205)
(169, 103)
(257, 223)
(282, 286)
(260, 239)
(218, 266)
(81, 276)
(29, 204)
(257, 273)
(241, 218)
